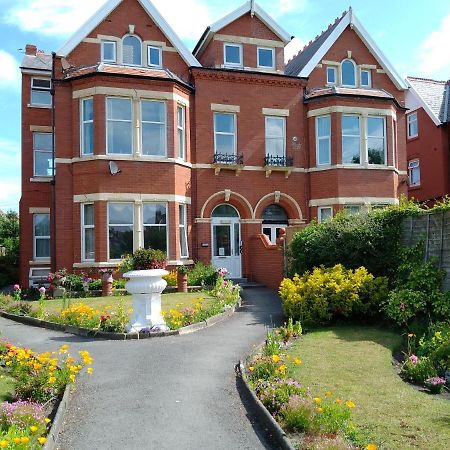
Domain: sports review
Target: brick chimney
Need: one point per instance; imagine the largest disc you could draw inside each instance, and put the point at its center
(31, 50)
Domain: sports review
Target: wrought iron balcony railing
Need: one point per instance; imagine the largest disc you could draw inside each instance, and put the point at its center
(226, 158)
(278, 161)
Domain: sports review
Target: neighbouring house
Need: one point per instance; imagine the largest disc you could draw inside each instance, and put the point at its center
(428, 139)
(204, 154)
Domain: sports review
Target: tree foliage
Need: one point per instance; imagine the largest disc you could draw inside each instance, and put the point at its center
(9, 241)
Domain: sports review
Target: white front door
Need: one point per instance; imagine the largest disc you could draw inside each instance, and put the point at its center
(226, 245)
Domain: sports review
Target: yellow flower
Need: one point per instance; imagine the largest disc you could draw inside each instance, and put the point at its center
(24, 440)
(350, 404)
(42, 440)
(72, 377)
(372, 447)
(319, 410)
(251, 368)
(409, 335)
(51, 380)
(317, 400)
(90, 370)
(33, 428)
(282, 368)
(338, 401)
(275, 358)
(297, 361)
(328, 394)
(52, 368)
(47, 420)
(16, 440)
(4, 444)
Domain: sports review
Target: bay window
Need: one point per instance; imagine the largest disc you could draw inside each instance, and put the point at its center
(41, 236)
(324, 213)
(184, 253)
(119, 135)
(323, 140)
(181, 131)
(87, 126)
(155, 226)
(153, 120)
(120, 229)
(376, 140)
(351, 139)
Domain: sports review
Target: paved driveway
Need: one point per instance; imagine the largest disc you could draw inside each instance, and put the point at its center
(176, 392)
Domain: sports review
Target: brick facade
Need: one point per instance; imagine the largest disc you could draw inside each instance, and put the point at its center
(199, 181)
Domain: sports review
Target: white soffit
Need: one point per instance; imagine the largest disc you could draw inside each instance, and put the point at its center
(413, 98)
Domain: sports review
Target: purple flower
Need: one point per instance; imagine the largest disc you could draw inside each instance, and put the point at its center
(435, 381)
(16, 287)
(19, 413)
(42, 290)
(414, 359)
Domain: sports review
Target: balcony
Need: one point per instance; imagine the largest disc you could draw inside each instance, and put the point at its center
(227, 161)
(278, 164)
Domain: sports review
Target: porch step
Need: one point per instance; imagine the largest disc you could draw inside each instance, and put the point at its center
(245, 284)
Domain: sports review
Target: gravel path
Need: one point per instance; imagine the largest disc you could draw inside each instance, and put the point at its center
(176, 392)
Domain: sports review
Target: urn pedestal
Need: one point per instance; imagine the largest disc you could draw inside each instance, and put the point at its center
(146, 287)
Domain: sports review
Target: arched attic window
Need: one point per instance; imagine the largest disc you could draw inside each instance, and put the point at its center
(348, 73)
(132, 51)
(274, 219)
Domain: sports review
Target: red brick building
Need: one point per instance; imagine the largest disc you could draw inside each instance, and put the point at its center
(428, 139)
(202, 154)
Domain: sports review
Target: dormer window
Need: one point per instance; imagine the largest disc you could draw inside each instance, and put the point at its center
(365, 78)
(132, 51)
(266, 58)
(348, 73)
(154, 56)
(232, 55)
(331, 75)
(109, 51)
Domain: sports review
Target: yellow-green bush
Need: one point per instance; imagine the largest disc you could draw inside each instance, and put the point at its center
(319, 296)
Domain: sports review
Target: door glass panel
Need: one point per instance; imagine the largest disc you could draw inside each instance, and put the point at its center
(237, 240)
(222, 240)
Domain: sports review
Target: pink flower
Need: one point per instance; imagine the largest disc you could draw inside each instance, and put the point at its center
(42, 290)
(16, 287)
(414, 359)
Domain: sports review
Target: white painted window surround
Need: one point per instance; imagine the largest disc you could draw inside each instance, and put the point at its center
(41, 92)
(324, 213)
(266, 57)
(225, 133)
(87, 232)
(232, 55)
(414, 172)
(109, 51)
(323, 140)
(41, 237)
(413, 125)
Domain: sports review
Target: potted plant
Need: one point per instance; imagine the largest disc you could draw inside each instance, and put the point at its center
(182, 278)
(435, 384)
(107, 281)
(145, 270)
(57, 281)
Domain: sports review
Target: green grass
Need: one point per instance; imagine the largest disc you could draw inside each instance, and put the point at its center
(356, 363)
(6, 387)
(168, 301)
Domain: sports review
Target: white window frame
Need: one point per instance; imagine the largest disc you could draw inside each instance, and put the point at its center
(369, 73)
(122, 224)
(334, 69)
(226, 133)
(348, 207)
(164, 155)
(183, 230)
(144, 225)
(410, 119)
(320, 138)
(413, 164)
(320, 210)
(366, 140)
(40, 151)
(119, 120)
(140, 40)
(181, 132)
(36, 238)
(43, 89)
(85, 227)
(360, 136)
(354, 70)
(268, 137)
(230, 64)
(83, 122)
(103, 44)
(273, 227)
(272, 50)
(154, 47)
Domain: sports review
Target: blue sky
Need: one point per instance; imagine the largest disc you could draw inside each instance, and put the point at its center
(414, 38)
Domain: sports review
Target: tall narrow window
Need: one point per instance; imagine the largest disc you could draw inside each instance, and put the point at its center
(414, 172)
(154, 56)
(413, 128)
(232, 55)
(351, 140)
(276, 137)
(348, 73)
(41, 92)
(132, 51)
(376, 141)
(41, 236)
(323, 140)
(42, 149)
(324, 213)
(109, 51)
(184, 253)
(225, 133)
(120, 229)
(153, 115)
(181, 130)
(88, 232)
(119, 126)
(87, 126)
(331, 75)
(155, 226)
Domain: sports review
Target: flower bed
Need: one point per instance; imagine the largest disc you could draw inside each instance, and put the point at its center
(39, 381)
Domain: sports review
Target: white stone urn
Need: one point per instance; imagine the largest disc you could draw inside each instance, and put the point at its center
(146, 287)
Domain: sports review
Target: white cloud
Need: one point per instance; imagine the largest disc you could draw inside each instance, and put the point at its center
(9, 174)
(9, 156)
(10, 72)
(434, 57)
(282, 7)
(9, 193)
(293, 48)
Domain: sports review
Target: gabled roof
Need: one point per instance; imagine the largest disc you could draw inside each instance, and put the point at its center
(248, 7)
(40, 61)
(304, 63)
(432, 95)
(150, 9)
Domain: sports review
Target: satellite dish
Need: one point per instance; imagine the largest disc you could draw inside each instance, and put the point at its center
(65, 64)
(113, 168)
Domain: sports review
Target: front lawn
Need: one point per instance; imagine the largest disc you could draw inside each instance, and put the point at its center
(356, 363)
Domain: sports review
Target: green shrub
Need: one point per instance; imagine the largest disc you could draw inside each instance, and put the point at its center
(202, 275)
(19, 308)
(298, 414)
(417, 371)
(96, 285)
(325, 294)
(436, 345)
(144, 259)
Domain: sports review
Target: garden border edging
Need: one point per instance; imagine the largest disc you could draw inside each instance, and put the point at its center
(264, 416)
(86, 332)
